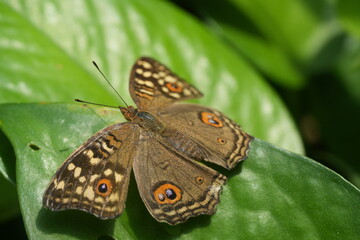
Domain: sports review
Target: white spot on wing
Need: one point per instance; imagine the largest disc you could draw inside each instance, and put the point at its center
(187, 92)
(113, 197)
(61, 185)
(93, 177)
(108, 172)
(94, 161)
(147, 74)
(55, 183)
(118, 177)
(79, 190)
(146, 92)
(165, 89)
(139, 71)
(106, 147)
(170, 79)
(82, 179)
(71, 167)
(146, 65)
(89, 193)
(99, 200)
(149, 84)
(77, 172)
(174, 95)
(89, 153)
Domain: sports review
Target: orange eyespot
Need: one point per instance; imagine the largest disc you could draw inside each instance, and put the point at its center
(211, 119)
(199, 180)
(104, 187)
(174, 87)
(167, 194)
(221, 140)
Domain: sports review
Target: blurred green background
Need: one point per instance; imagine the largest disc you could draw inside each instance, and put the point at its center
(309, 52)
(287, 70)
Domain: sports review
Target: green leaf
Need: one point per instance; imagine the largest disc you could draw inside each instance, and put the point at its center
(35, 67)
(287, 40)
(272, 194)
(9, 204)
(336, 96)
(349, 69)
(266, 56)
(7, 166)
(240, 33)
(349, 16)
(47, 47)
(276, 20)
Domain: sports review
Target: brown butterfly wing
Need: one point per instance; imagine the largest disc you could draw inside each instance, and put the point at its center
(215, 137)
(172, 186)
(154, 86)
(95, 177)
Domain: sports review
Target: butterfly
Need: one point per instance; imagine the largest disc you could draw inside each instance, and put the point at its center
(164, 142)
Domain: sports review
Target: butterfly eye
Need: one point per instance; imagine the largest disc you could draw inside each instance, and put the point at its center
(221, 140)
(199, 180)
(161, 197)
(213, 121)
(174, 87)
(210, 119)
(167, 193)
(170, 194)
(104, 187)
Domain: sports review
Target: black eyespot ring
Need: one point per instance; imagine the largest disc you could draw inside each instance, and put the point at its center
(199, 180)
(103, 188)
(221, 140)
(170, 193)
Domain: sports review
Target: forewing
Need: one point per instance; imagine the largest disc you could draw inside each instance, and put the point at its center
(212, 136)
(154, 86)
(95, 177)
(172, 186)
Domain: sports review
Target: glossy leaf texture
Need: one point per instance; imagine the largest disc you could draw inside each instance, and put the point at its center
(285, 40)
(47, 48)
(272, 193)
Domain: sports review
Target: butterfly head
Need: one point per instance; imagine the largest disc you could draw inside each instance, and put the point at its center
(144, 119)
(129, 112)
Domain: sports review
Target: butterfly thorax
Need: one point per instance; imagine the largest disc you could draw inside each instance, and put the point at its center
(144, 119)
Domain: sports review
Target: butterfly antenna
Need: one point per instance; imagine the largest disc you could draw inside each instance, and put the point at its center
(97, 104)
(97, 67)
